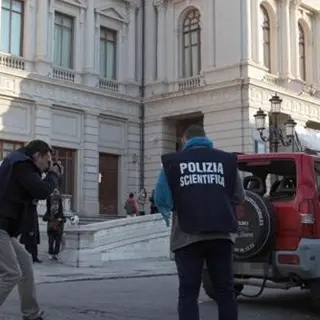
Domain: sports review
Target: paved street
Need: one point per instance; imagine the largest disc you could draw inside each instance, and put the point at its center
(148, 299)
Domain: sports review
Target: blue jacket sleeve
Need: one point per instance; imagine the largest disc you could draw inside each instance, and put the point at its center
(163, 196)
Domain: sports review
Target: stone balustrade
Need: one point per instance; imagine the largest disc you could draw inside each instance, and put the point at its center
(132, 238)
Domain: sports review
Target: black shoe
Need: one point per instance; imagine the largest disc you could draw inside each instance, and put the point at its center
(55, 258)
(40, 317)
(37, 260)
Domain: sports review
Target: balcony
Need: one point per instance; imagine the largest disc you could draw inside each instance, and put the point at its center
(190, 83)
(108, 85)
(12, 62)
(60, 73)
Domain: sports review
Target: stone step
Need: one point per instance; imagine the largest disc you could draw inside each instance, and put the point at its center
(84, 220)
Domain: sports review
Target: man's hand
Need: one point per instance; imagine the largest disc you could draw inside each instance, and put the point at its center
(31, 234)
(166, 218)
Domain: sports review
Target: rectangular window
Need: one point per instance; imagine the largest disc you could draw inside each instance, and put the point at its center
(317, 173)
(11, 27)
(7, 147)
(273, 178)
(108, 53)
(63, 40)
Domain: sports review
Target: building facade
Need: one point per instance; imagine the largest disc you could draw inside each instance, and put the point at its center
(71, 73)
(68, 76)
(219, 62)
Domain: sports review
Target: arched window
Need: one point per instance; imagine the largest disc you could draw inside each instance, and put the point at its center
(265, 37)
(302, 53)
(191, 44)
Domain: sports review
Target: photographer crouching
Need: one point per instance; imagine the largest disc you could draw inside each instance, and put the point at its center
(20, 175)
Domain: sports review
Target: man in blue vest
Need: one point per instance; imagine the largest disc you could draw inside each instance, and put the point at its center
(21, 186)
(201, 186)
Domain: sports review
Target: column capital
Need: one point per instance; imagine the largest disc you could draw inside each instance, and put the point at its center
(295, 3)
(132, 5)
(160, 4)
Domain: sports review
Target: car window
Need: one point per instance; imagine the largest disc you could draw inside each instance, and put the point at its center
(317, 173)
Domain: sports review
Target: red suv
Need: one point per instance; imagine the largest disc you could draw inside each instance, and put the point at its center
(278, 242)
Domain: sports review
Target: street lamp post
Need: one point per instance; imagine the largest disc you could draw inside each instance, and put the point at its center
(276, 135)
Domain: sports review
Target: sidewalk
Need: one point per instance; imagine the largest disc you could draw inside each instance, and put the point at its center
(55, 272)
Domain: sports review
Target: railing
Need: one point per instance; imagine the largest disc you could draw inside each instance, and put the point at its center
(108, 85)
(271, 78)
(13, 62)
(190, 83)
(60, 73)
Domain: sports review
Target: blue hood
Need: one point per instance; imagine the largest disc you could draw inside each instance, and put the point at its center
(198, 142)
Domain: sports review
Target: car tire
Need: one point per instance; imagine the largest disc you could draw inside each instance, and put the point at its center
(208, 289)
(315, 295)
(256, 218)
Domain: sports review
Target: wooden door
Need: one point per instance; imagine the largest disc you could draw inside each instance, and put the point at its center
(108, 183)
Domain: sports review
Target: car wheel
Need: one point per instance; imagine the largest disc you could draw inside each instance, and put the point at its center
(208, 289)
(315, 295)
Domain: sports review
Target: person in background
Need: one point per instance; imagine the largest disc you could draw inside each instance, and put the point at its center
(131, 206)
(31, 237)
(21, 184)
(55, 219)
(201, 185)
(153, 207)
(142, 198)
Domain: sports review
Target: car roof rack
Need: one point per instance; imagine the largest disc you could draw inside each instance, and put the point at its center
(312, 151)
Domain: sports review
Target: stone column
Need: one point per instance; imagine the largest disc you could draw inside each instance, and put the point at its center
(42, 54)
(285, 42)
(162, 39)
(42, 121)
(29, 45)
(132, 39)
(90, 159)
(294, 4)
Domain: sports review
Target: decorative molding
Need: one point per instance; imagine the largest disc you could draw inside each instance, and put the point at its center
(112, 13)
(55, 92)
(77, 3)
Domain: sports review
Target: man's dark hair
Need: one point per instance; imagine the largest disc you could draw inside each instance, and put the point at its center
(131, 195)
(194, 131)
(40, 146)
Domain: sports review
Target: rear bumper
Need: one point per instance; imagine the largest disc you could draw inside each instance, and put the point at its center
(308, 267)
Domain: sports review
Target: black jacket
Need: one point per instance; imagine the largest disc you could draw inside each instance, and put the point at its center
(21, 186)
(32, 226)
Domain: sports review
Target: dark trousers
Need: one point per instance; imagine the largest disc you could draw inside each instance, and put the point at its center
(32, 248)
(54, 239)
(218, 255)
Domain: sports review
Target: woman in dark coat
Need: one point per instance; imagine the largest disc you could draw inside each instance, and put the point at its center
(55, 219)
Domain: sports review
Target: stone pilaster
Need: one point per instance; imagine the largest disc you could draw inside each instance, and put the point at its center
(42, 57)
(161, 6)
(132, 7)
(89, 46)
(285, 39)
(317, 47)
(294, 38)
(42, 122)
(90, 160)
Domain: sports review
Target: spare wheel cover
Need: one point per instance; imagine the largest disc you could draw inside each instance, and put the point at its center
(254, 229)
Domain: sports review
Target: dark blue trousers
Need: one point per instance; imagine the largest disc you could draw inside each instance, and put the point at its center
(218, 255)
